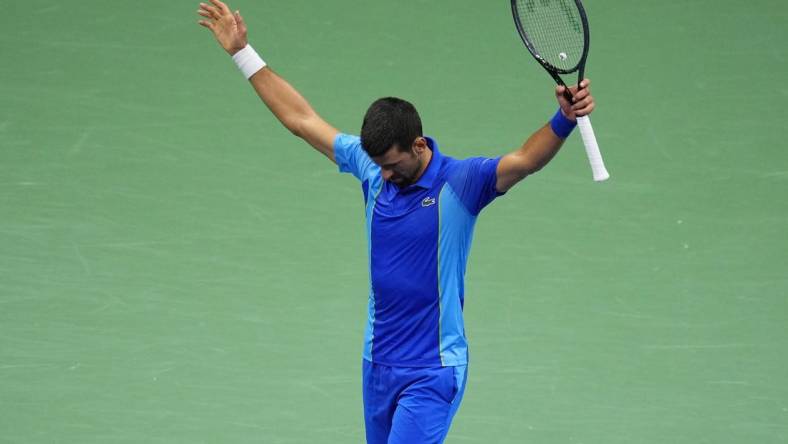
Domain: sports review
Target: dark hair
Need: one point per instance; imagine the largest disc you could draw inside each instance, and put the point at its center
(389, 121)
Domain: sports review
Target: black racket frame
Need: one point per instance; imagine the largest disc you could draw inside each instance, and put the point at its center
(549, 67)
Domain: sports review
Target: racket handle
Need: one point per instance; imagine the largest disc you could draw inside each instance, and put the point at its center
(592, 149)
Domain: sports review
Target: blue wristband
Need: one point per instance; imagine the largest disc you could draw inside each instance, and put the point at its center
(562, 127)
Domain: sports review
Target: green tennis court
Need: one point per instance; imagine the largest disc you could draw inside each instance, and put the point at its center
(177, 267)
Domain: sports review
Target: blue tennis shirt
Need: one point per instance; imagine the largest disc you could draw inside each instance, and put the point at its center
(418, 240)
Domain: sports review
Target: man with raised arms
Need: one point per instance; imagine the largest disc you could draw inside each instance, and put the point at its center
(421, 206)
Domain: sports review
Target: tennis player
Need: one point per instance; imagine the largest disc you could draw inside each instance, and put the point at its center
(421, 206)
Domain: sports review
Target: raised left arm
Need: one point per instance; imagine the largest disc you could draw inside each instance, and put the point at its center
(543, 145)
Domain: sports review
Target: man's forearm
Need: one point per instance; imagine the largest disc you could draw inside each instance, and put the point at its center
(540, 148)
(293, 110)
(284, 101)
(534, 154)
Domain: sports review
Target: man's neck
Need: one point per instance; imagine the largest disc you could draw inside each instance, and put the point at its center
(424, 165)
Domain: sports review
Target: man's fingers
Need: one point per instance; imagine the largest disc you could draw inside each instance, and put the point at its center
(222, 7)
(563, 100)
(584, 106)
(240, 21)
(207, 23)
(580, 94)
(212, 11)
(584, 84)
(585, 110)
(580, 104)
(561, 93)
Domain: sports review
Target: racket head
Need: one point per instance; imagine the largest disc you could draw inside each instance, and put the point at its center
(555, 33)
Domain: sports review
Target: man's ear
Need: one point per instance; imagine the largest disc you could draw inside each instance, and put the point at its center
(420, 145)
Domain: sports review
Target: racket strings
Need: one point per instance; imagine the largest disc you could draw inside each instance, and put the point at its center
(555, 30)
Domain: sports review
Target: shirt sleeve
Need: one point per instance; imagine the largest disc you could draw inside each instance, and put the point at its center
(474, 182)
(351, 158)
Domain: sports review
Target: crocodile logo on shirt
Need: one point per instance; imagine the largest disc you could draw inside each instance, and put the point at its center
(428, 201)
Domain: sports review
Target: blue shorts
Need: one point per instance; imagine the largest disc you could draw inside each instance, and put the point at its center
(410, 405)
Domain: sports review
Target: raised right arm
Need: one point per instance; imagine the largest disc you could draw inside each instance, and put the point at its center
(287, 104)
(294, 111)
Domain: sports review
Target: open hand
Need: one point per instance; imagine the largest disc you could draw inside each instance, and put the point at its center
(582, 103)
(228, 27)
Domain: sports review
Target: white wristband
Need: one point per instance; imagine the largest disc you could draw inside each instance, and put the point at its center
(248, 61)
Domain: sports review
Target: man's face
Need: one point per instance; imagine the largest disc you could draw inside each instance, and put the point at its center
(399, 167)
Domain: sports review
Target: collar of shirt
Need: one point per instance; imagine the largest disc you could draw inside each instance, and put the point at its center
(426, 179)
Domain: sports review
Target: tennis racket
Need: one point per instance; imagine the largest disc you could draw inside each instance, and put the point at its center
(556, 34)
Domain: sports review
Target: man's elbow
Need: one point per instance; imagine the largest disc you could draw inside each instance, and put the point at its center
(528, 167)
